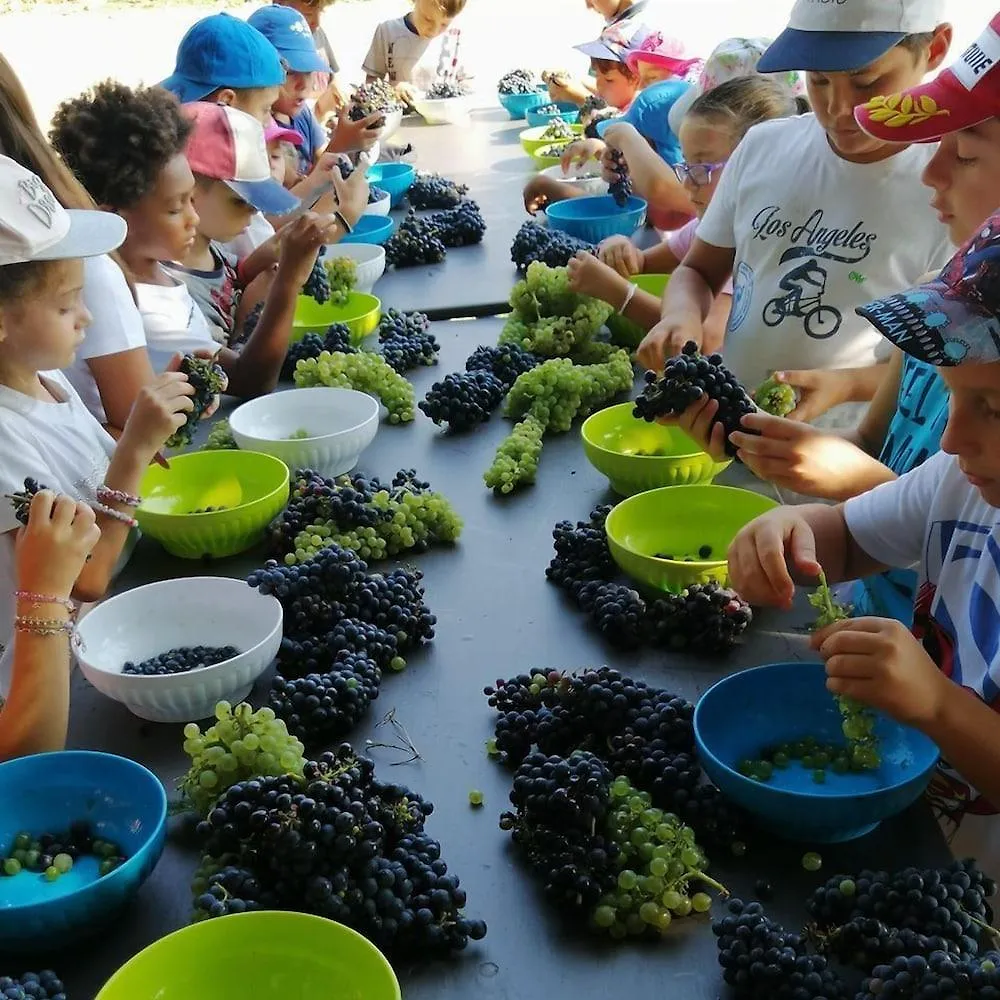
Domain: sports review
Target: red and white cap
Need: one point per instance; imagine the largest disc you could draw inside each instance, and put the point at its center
(229, 146)
(664, 51)
(275, 132)
(965, 94)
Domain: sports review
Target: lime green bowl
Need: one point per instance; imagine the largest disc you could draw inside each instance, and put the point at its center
(626, 333)
(638, 456)
(271, 953)
(250, 487)
(360, 314)
(532, 141)
(695, 523)
(541, 162)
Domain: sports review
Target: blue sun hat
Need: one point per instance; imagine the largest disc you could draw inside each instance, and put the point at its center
(649, 113)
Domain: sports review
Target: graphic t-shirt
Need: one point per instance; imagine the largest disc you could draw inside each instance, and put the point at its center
(398, 54)
(934, 519)
(216, 292)
(815, 237)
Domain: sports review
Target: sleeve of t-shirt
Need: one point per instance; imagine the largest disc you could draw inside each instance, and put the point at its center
(718, 226)
(890, 522)
(116, 325)
(376, 63)
(680, 241)
(317, 134)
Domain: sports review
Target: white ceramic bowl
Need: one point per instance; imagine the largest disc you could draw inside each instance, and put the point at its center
(444, 111)
(578, 175)
(191, 611)
(341, 424)
(369, 258)
(380, 207)
(393, 120)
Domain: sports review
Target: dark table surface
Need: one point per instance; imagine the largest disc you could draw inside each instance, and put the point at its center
(497, 617)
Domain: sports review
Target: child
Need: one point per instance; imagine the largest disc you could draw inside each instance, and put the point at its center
(812, 216)
(223, 60)
(50, 552)
(713, 128)
(943, 676)
(46, 432)
(127, 147)
(415, 51)
(331, 99)
(111, 365)
(659, 58)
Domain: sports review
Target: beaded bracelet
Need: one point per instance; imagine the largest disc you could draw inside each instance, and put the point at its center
(116, 514)
(43, 626)
(107, 495)
(39, 599)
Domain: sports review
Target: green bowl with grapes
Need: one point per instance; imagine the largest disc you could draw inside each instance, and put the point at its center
(212, 503)
(624, 331)
(637, 456)
(671, 538)
(296, 956)
(360, 314)
(533, 139)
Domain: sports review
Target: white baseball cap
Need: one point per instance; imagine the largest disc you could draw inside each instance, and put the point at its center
(34, 226)
(840, 36)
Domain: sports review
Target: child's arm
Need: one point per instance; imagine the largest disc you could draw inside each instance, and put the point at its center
(651, 177)
(820, 390)
(119, 378)
(542, 191)
(589, 276)
(51, 551)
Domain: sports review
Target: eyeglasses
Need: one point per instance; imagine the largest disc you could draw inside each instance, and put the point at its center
(699, 174)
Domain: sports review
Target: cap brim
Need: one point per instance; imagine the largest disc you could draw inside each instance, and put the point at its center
(933, 324)
(185, 89)
(677, 66)
(267, 196)
(273, 133)
(934, 109)
(826, 51)
(90, 235)
(598, 50)
(680, 108)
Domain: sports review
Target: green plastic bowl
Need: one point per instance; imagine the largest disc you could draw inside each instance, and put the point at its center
(637, 456)
(541, 162)
(679, 521)
(361, 313)
(532, 141)
(250, 486)
(624, 332)
(267, 953)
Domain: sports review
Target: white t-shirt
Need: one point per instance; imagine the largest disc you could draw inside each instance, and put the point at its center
(815, 237)
(934, 519)
(398, 54)
(173, 323)
(116, 327)
(59, 444)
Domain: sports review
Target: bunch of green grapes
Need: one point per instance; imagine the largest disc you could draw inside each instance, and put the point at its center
(220, 437)
(365, 372)
(776, 398)
(342, 273)
(516, 461)
(659, 861)
(857, 721)
(240, 744)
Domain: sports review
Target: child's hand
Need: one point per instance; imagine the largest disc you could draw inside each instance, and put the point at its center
(579, 152)
(818, 392)
(159, 409)
(406, 93)
(348, 136)
(622, 255)
(536, 194)
(300, 243)
(759, 553)
(880, 663)
(699, 423)
(667, 340)
(352, 194)
(54, 545)
(588, 276)
(563, 90)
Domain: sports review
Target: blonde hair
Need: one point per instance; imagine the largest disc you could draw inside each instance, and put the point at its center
(746, 101)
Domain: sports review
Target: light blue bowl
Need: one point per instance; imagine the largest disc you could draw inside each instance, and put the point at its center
(597, 217)
(518, 105)
(569, 113)
(45, 793)
(739, 716)
(396, 178)
(371, 229)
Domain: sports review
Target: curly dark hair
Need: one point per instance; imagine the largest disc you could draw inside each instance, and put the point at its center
(117, 139)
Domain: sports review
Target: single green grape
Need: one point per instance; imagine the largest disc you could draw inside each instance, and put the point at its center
(812, 862)
(476, 799)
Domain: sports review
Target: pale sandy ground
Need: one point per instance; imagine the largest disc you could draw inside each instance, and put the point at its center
(60, 50)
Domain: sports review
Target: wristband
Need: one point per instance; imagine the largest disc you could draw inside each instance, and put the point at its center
(629, 295)
(118, 515)
(43, 626)
(36, 600)
(339, 216)
(107, 495)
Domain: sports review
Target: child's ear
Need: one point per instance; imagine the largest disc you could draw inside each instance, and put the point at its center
(940, 44)
(225, 96)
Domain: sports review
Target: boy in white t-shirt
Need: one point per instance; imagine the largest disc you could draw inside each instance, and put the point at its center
(944, 519)
(813, 216)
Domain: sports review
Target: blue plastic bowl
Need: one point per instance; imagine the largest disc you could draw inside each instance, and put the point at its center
(45, 793)
(371, 229)
(597, 217)
(518, 105)
(396, 178)
(569, 113)
(739, 716)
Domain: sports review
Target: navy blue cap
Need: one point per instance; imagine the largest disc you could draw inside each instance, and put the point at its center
(223, 51)
(287, 30)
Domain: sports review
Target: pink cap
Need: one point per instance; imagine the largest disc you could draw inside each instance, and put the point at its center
(666, 52)
(274, 132)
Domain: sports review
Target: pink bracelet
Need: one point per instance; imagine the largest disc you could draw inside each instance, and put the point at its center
(37, 600)
(118, 515)
(107, 495)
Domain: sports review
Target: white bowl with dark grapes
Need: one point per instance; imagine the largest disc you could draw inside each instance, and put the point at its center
(586, 176)
(320, 428)
(444, 104)
(380, 205)
(170, 651)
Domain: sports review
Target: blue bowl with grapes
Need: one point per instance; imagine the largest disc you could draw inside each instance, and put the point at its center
(596, 217)
(122, 802)
(569, 113)
(743, 717)
(518, 105)
(371, 229)
(395, 178)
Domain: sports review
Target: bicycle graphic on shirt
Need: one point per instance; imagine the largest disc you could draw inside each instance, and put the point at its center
(804, 287)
